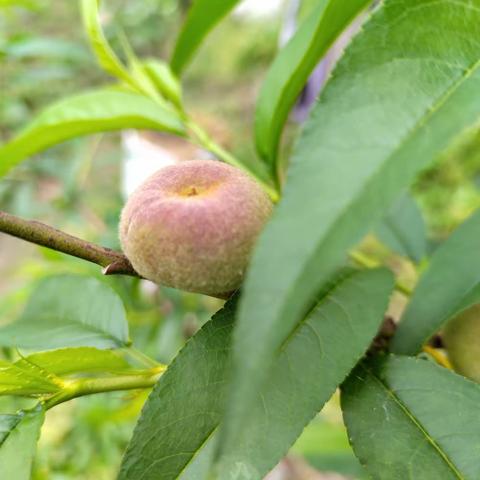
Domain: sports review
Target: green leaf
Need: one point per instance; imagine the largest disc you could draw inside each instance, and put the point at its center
(202, 17)
(69, 311)
(46, 48)
(165, 80)
(7, 424)
(105, 55)
(403, 229)
(395, 101)
(292, 67)
(30, 4)
(25, 379)
(444, 289)
(91, 112)
(67, 361)
(175, 435)
(17, 448)
(410, 418)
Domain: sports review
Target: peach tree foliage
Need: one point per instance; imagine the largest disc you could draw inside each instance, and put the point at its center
(241, 391)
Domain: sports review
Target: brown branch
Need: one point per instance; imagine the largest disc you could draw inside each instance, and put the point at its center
(113, 262)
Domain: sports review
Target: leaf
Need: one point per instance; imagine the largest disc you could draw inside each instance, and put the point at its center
(410, 418)
(67, 361)
(91, 112)
(165, 80)
(202, 17)
(105, 55)
(30, 4)
(69, 311)
(292, 67)
(444, 289)
(175, 435)
(7, 424)
(48, 48)
(18, 446)
(395, 101)
(403, 229)
(25, 380)
(184, 407)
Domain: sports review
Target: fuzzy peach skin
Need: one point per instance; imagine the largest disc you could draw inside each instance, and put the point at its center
(193, 226)
(462, 341)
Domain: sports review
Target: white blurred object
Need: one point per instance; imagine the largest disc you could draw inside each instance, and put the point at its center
(258, 8)
(141, 159)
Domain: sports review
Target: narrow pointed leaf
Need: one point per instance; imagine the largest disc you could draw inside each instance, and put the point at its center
(7, 424)
(410, 418)
(449, 285)
(91, 112)
(19, 444)
(176, 435)
(105, 55)
(292, 67)
(403, 229)
(165, 80)
(67, 361)
(202, 17)
(25, 380)
(395, 101)
(69, 310)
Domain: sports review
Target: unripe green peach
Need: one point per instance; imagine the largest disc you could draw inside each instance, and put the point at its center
(462, 341)
(193, 226)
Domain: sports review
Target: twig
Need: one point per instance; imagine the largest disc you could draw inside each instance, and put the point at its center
(89, 386)
(113, 262)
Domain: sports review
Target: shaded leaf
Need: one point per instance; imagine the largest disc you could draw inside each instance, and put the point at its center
(91, 112)
(449, 285)
(292, 67)
(69, 311)
(202, 17)
(18, 446)
(176, 435)
(403, 229)
(410, 418)
(395, 101)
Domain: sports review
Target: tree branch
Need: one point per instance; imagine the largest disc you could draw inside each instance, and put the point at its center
(113, 262)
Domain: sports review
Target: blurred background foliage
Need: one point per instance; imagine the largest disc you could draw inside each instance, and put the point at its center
(76, 187)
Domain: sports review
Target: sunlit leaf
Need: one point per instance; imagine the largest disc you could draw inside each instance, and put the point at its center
(292, 67)
(67, 361)
(17, 445)
(410, 418)
(25, 380)
(165, 80)
(202, 17)
(104, 53)
(91, 112)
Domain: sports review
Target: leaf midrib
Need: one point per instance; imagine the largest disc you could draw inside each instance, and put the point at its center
(415, 421)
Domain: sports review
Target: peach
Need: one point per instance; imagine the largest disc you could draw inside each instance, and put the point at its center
(462, 341)
(193, 226)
